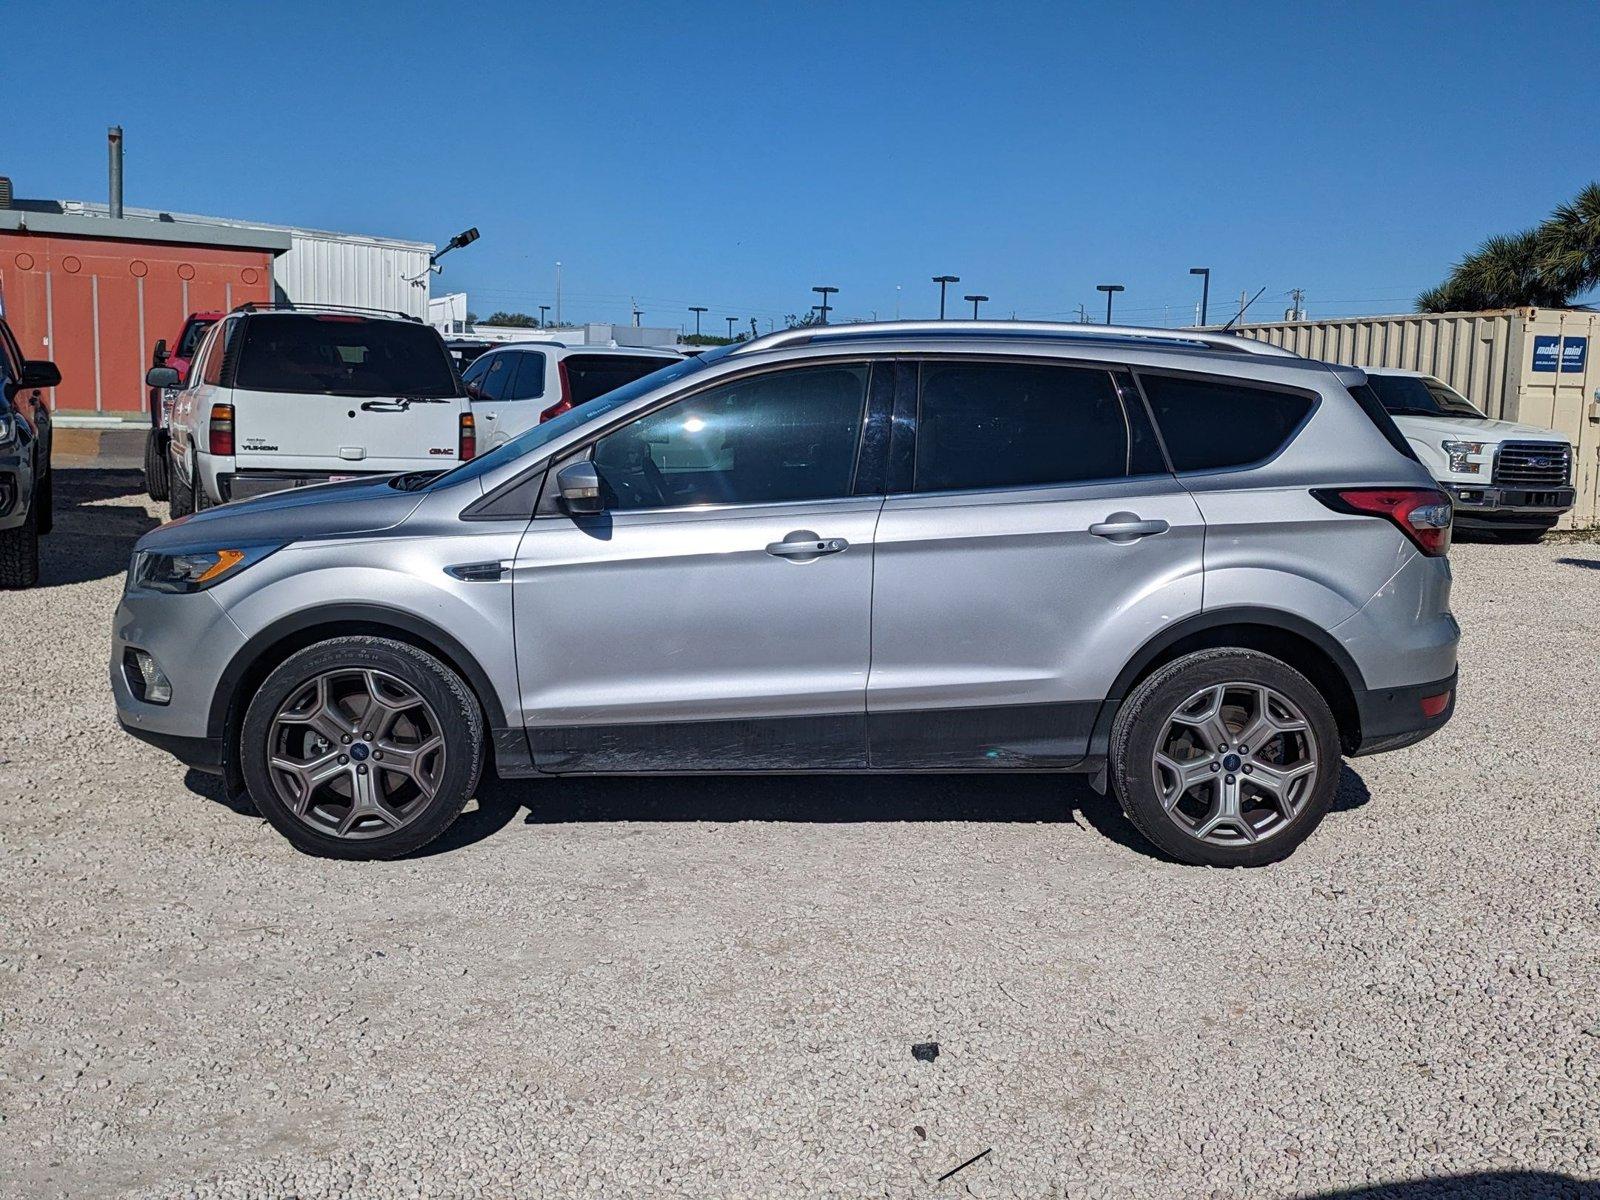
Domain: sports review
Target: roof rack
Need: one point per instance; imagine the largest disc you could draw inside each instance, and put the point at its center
(1194, 338)
(291, 306)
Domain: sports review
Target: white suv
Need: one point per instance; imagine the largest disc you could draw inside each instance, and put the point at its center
(282, 397)
(1506, 478)
(519, 385)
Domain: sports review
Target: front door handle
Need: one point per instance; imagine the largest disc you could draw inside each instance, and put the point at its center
(1124, 527)
(802, 546)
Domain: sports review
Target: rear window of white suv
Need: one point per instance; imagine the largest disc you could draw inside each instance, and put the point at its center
(340, 355)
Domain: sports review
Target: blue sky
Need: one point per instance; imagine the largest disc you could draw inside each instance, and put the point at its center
(736, 155)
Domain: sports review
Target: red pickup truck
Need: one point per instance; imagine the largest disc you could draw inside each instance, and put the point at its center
(178, 357)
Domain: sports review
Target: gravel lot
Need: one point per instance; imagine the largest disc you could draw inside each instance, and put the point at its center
(711, 988)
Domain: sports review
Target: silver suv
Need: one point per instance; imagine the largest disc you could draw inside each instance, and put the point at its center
(1196, 568)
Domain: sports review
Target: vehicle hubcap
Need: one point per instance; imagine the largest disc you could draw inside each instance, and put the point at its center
(355, 753)
(1235, 764)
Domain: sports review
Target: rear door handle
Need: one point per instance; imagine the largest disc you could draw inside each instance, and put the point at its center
(804, 545)
(1127, 527)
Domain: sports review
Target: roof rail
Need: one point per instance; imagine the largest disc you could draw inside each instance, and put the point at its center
(291, 306)
(1197, 338)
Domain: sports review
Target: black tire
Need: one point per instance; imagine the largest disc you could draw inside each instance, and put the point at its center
(45, 502)
(19, 553)
(181, 495)
(1144, 717)
(157, 476)
(199, 499)
(459, 718)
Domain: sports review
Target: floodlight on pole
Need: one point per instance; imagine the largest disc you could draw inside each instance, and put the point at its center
(697, 309)
(944, 281)
(976, 300)
(1205, 289)
(824, 307)
(1110, 289)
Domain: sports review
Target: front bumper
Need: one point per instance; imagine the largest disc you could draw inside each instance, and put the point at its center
(1392, 718)
(1504, 506)
(16, 491)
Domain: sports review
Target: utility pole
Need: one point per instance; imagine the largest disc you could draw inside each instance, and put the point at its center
(824, 307)
(638, 315)
(1297, 297)
(543, 321)
(976, 300)
(754, 333)
(1205, 289)
(1083, 315)
(558, 293)
(1110, 289)
(944, 281)
(730, 321)
(697, 309)
(1244, 300)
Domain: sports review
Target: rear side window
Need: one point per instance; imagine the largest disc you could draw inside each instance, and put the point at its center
(343, 356)
(529, 383)
(591, 375)
(1209, 425)
(998, 425)
(1379, 416)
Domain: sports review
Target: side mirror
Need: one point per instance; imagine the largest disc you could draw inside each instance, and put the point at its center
(579, 485)
(162, 377)
(37, 373)
(160, 355)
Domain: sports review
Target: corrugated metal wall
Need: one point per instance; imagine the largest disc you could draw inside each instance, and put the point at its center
(345, 269)
(1489, 358)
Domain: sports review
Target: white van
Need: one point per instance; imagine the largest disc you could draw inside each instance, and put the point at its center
(281, 397)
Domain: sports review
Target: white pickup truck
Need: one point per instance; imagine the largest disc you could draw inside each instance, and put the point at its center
(280, 397)
(1510, 479)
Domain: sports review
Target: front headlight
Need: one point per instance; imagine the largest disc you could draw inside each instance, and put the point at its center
(8, 428)
(1459, 453)
(192, 570)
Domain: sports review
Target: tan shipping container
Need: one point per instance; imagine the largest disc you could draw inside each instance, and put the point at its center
(1540, 366)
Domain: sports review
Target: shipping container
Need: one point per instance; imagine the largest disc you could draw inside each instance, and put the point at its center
(1535, 365)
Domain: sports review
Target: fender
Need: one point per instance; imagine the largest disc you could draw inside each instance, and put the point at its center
(363, 618)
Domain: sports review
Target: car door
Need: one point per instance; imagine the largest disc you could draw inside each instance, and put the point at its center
(522, 396)
(487, 380)
(717, 615)
(1032, 540)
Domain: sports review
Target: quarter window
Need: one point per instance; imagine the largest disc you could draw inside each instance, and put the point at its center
(1209, 425)
(780, 436)
(999, 425)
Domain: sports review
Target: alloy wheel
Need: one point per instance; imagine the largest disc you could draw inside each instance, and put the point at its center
(1235, 763)
(355, 753)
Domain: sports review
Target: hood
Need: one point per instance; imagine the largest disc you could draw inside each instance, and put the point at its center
(353, 507)
(1480, 429)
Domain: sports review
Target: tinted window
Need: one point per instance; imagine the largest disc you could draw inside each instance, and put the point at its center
(1373, 407)
(1413, 396)
(344, 356)
(529, 383)
(475, 372)
(785, 435)
(495, 380)
(215, 349)
(994, 425)
(189, 342)
(1208, 424)
(591, 375)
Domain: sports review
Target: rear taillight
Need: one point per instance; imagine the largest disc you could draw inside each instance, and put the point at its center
(555, 410)
(467, 444)
(221, 429)
(565, 403)
(1422, 514)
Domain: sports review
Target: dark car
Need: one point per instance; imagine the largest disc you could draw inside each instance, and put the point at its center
(26, 508)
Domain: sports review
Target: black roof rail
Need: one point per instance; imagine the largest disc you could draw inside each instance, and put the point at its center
(256, 306)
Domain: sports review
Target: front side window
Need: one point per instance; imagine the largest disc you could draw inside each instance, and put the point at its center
(472, 377)
(1210, 425)
(494, 381)
(1000, 425)
(338, 355)
(779, 436)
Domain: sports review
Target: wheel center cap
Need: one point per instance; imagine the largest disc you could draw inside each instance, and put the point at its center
(1230, 762)
(359, 752)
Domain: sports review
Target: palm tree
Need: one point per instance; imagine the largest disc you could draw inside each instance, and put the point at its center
(1546, 267)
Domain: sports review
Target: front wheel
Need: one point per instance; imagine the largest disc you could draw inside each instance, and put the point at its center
(361, 747)
(1225, 758)
(19, 553)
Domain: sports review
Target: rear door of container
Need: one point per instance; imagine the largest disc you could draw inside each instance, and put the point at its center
(336, 393)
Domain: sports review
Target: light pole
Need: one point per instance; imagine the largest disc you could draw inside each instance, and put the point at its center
(823, 308)
(558, 293)
(976, 300)
(1205, 290)
(638, 317)
(897, 302)
(543, 320)
(944, 281)
(697, 309)
(730, 321)
(1110, 289)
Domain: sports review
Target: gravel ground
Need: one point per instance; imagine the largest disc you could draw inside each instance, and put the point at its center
(711, 988)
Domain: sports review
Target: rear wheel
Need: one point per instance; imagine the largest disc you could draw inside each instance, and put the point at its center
(1226, 758)
(19, 553)
(361, 747)
(181, 503)
(156, 474)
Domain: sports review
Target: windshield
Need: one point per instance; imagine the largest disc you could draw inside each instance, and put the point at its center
(529, 441)
(333, 355)
(1420, 396)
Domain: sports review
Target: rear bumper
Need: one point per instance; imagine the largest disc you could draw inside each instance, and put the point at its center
(240, 485)
(1392, 718)
(1509, 507)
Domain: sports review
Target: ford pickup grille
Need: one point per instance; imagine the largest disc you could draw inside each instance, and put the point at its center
(1533, 464)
